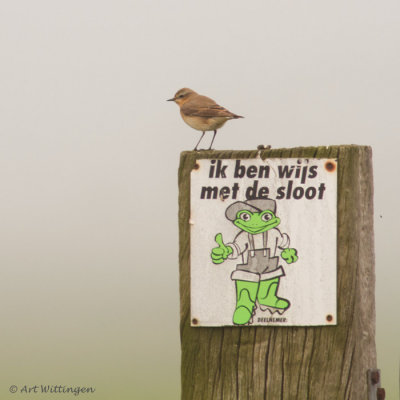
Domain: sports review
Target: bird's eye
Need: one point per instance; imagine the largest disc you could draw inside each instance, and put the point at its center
(180, 96)
(245, 216)
(266, 217)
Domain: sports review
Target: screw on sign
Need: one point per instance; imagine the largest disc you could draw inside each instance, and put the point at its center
(330, 166)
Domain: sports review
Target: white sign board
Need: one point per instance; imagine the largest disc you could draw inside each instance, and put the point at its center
(263, 242)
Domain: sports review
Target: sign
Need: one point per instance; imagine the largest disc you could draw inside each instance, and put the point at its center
(263, 242)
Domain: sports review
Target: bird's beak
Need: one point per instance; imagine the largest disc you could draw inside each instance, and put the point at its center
(173, 99)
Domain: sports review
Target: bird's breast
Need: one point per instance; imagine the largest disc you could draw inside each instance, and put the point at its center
(204, 123)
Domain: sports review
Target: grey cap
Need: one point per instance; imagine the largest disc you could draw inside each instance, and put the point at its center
(257, 205)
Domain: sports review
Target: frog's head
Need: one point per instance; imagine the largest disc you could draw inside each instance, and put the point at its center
(256, 222)
(253, 216)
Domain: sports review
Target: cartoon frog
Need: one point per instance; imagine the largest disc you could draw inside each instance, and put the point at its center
(258, 243)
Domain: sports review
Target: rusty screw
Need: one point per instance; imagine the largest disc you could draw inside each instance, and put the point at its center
(195, 321)
(196, 166)
(375, 377)
(329, 318)
(330, 166)
(380, 394)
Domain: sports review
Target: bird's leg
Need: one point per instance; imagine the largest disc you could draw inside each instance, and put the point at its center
(212, 141)
(195, 149)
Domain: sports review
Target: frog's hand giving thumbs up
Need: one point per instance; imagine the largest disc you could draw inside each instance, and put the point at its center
(220, 254)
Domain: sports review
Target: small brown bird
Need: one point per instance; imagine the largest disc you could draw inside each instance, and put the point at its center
(201, 112)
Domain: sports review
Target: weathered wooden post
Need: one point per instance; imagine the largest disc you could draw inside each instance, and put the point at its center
(289, 350)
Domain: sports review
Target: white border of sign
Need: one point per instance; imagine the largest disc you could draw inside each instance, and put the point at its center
(305, 194)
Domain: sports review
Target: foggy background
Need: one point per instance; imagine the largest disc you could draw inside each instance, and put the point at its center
(89, 151)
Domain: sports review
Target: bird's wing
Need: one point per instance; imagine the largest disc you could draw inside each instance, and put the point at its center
(203, 106)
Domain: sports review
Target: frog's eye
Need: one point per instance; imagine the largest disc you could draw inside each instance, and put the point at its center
(266, 217)
(245, 216)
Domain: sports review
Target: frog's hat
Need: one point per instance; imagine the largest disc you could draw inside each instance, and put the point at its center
(256, 205)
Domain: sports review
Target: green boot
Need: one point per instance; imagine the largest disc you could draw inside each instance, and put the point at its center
(267, 298)
(246, 293)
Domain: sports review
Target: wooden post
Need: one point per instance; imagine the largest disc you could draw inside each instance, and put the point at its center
(313, 363)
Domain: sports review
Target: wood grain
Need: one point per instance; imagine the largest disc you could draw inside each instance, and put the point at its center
(304, 363)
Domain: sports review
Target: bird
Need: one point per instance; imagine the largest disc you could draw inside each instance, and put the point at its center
(201, 112)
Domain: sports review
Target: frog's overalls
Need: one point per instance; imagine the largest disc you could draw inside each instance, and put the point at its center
(257, 278)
